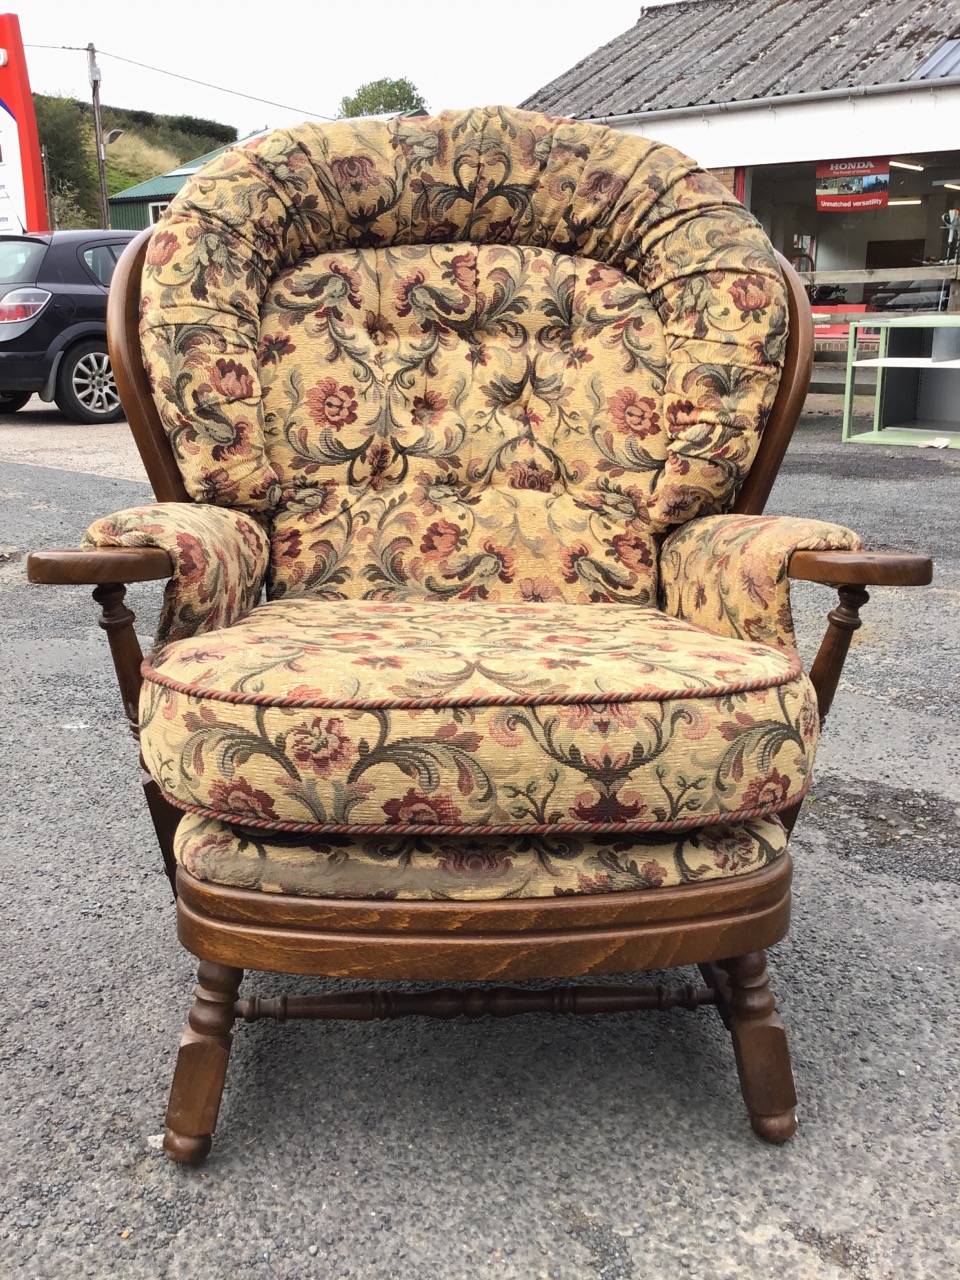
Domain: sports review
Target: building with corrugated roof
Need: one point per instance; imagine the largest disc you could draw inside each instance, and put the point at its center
(836, 121)
(140, 206)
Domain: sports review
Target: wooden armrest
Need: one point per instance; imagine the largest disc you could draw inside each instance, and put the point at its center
(98, 565)
(861, 568)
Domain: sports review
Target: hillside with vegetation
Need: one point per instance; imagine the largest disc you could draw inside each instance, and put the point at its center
(149, 144)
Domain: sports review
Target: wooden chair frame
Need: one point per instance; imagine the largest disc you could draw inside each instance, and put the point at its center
(724, 926)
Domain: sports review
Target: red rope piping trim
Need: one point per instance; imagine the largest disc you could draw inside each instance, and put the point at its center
(650, 694)
(480, 829)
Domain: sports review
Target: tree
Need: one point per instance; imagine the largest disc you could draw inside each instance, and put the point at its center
(380, 97)
(67, 136)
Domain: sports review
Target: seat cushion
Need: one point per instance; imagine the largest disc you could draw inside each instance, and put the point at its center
(459, 718)
(470, 868)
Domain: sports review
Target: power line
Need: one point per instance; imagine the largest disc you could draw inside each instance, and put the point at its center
(176, 75)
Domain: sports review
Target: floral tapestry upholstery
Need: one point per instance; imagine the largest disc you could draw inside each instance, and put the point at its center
(464, 868)
(219, 561)
(729, 573)
(487, 354)
(518, 400)
(470, 718)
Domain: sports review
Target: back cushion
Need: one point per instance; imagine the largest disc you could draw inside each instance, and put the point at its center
(461, 420)
(486, 354)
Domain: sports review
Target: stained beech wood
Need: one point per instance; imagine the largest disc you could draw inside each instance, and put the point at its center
(202, 1064)
(448, 943)
(760, 1046)
(117, 621)
(842, 622)
(676, 905)
(98, 565)
(475, 1002)
(861, 568)
(123, 340)
(791, 393)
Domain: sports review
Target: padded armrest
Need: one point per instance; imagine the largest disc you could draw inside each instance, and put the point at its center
(75, 565)
(729, 574)
(215, 558)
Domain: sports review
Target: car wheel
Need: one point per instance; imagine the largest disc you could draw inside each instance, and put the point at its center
(11, 401)
(86, 391)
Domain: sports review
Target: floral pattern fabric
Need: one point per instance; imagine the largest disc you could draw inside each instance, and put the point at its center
(462, 718)
(219, 561)
(729, 573)
(451, 420)
(261, 277)
(471, 869)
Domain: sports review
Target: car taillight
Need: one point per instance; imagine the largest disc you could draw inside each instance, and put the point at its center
(22, 304)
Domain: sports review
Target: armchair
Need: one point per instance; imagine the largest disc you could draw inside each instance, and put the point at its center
(489, 405)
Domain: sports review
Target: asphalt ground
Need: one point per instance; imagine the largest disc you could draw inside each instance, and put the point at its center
(532, 1148)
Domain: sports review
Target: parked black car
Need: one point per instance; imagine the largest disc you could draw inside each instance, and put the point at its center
(53, 321)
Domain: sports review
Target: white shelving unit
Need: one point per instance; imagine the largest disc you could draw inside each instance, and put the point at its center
(917, 396)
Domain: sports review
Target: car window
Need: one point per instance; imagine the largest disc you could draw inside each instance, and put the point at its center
(20, 260)
(101, 261)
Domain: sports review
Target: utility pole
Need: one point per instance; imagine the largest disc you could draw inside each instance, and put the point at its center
(93, 73)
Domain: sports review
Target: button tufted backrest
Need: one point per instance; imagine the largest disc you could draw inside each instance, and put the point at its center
(488, 353)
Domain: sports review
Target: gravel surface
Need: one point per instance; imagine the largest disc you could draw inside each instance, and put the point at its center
(533, 1148)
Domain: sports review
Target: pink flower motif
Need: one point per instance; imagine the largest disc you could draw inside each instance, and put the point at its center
(241, 801)
(605, 809)
(418, 809)
(539, 589)
(163, 245)
(332, 405)
(355, 172)
(232, 379)
(570, 558)
(771, 791)
(441, 539)
(635, 413)
(531, 475)
(428, 408)
(464, 268)
(751, 295)
(321, 747)
(633, 552)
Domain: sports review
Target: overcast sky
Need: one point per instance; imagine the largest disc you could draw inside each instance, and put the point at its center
(306, 54)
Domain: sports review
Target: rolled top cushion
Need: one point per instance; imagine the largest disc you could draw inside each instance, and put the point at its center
(492, 176)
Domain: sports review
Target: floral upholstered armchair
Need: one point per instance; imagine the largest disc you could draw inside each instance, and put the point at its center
(487, 406)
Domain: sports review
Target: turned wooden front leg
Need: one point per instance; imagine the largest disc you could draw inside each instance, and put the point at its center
(117, 620)
(202, 1064)
(760, 1045)
(828, 664)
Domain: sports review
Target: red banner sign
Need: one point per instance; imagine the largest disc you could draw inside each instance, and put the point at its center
(853, 184)
(22, 206)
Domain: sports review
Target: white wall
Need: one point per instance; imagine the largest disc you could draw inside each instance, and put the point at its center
(927, 119)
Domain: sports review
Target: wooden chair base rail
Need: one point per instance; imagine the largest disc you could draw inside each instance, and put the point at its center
(478, 1002)
(739, 987)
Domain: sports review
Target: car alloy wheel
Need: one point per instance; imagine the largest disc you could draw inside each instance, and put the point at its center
(93, 384)
(86, 390)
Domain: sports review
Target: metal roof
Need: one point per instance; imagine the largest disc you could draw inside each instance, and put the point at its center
(169, 183)
(706, 51)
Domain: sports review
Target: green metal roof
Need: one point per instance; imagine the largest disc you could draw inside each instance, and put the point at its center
(169, 183)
